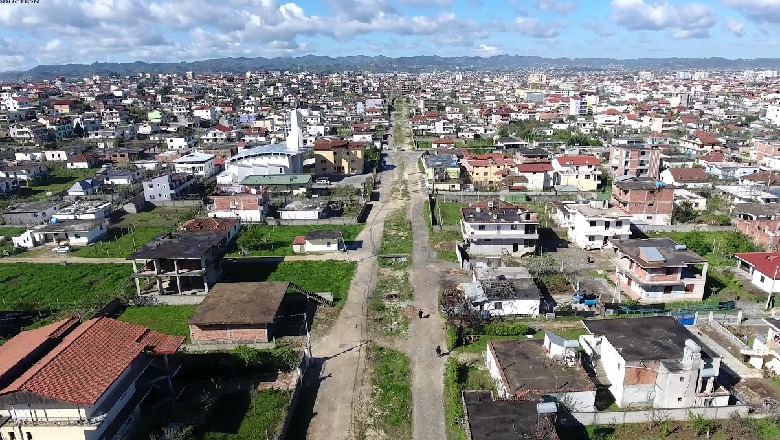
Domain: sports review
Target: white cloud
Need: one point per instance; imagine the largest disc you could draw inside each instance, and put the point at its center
(692, 20)
(561, 7)
(760, 11)
(487, 51)
(172, 31)
(734, 26)
(534, 28)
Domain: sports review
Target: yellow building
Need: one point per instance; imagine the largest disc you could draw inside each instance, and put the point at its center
(338, 157)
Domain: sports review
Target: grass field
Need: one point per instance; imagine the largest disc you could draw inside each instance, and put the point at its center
(391, 395)
(63, 289)
(317, 276)
(170, 320)
(244, 417)
(458, 377)
(389, 306)
(60, 179)
(397, 238)
(449, 212)
(11, 231)
(265, 240)
(118, 243)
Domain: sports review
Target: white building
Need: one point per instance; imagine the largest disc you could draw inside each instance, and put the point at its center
(765, 352)
(773, 114)
(497, 228)
(84, 210)
(319, 241)
(73, 232)
(592, 225)
(504, 297)
(653, 361)
(287, 158)
(303, 210)
(196, 164)
(76, 381)
(762, 268)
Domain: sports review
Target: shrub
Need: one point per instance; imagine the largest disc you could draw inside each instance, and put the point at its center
(452, 338)
(505, 328)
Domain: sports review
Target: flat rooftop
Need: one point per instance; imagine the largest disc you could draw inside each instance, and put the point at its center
(185, 245)
(650, 338)
(664, 250)
(503, 419)
(498, 215)
(527, 368)
(240, 304)
(71, 226)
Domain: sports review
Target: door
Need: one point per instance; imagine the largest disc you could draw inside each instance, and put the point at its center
(515, 247)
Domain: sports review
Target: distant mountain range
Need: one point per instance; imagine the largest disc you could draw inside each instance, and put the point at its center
(415, 64)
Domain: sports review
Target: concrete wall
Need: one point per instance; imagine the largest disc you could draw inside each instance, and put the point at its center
(228, 333)
(678, 414)
(683, 228)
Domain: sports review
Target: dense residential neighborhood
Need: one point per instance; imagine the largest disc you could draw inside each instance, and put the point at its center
(450, 254)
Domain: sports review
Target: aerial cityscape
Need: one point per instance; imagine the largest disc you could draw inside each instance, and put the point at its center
(378, 220)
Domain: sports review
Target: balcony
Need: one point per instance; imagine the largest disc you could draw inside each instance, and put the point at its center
(59, 421)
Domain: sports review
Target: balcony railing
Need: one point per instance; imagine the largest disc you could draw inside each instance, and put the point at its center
(59, 421)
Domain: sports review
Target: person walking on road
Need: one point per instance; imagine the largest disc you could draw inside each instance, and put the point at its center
(438, 350)
(420, 313)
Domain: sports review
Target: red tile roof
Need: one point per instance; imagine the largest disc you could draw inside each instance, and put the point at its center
(84, 365)
(578, 160)
(768, 263)
(715, 156)
(534, 167)
(23, 344)
(299, 240)
(222, 128)
(689, 175)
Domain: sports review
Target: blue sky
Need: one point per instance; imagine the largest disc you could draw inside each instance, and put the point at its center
(85, 31)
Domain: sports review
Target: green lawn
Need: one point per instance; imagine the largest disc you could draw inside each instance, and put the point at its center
(317, 276)
(171, 320)
(397, 238)
(119, 242)
(11, 231)
(265, 240)
(480, 344)
(386, 314)
(717, 247)
(449, 212)
(460, 377)
(391, 397)
(62, 289)
(244, 417)
(60, 179)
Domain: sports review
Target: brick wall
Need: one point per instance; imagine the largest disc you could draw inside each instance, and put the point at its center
(237, 201)
(215, 333)
(762, 232)
(642, 201)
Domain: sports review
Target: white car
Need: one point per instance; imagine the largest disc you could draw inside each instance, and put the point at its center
(322, 181)
(61, 249)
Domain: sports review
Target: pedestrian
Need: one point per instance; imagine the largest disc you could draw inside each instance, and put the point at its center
(438, 351)
(420, 313)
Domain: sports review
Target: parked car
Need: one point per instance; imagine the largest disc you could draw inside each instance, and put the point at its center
(323, 181)
(62, 249)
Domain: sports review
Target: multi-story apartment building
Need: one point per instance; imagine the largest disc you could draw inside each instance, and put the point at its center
(495, 228)
(442, 172)
(645, 199)
(338, 157)
(634, 160)
(593, 225)
(486, 169)
(167, 187)
(250, 204)
(657, 270)
(582, 172)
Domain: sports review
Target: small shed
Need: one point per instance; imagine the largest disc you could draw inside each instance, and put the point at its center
(238, 313)
(319, 241)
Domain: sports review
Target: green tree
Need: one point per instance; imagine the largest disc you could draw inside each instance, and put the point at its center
(119, 142)
(683, 213)
(78, 130)
(503, 131)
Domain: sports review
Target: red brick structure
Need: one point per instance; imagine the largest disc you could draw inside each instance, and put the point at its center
(760, 222)
(635, 160)
(238, 313)
(646, 199)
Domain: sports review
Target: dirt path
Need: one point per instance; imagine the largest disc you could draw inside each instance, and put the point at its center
(56, 259)
(333, 386)
(426, 333)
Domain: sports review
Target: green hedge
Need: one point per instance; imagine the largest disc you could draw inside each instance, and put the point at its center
(503, 328)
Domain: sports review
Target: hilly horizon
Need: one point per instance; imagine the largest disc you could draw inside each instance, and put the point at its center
(384, 64)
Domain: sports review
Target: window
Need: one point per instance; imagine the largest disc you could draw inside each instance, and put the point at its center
(592, 223)
(481, 227)
(498, 227)
(513, 227)
(762, 278)
(642, 153)
(682, 379)
(618, 223)
(327, 244)
(498, 305)
(679, 399)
